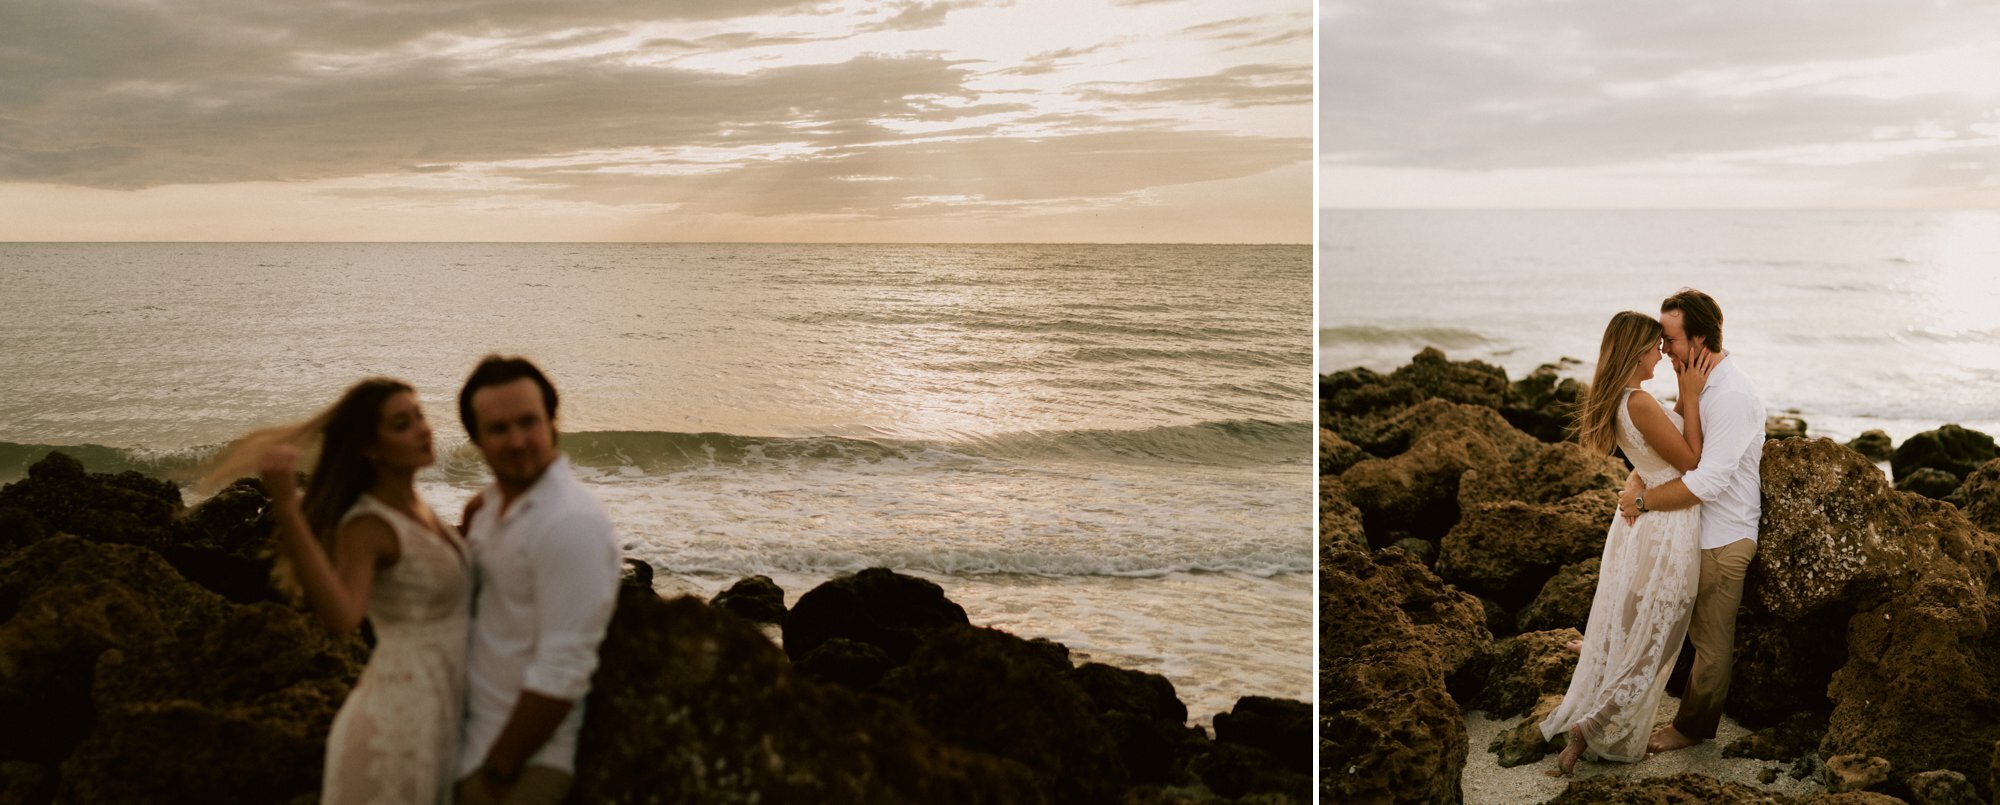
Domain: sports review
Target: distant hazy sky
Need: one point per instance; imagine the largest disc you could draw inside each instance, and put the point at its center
(787, 120)
(1868, 104)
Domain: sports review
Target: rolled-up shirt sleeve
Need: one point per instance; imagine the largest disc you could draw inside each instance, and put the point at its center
(576, 586)
(1731, 423)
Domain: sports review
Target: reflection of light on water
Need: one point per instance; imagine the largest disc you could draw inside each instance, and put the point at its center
(1963, 288)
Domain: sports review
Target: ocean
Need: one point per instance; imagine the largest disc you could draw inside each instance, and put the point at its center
(1108, 446)
(1856, 320)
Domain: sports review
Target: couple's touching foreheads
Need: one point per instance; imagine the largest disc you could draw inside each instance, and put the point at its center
(1683, 537)
(485, 639)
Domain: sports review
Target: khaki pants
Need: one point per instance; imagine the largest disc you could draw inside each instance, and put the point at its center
(1712, 629)
(538, 785)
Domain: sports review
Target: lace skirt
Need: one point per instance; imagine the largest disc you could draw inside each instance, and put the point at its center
(396, 737)
(1638, 617)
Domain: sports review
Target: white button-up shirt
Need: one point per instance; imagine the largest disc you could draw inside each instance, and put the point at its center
(548, 579)
(1728, 479)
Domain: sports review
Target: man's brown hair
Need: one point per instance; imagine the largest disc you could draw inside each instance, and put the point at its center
(1701, 317)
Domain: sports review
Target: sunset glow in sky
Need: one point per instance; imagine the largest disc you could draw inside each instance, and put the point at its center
(744, 120)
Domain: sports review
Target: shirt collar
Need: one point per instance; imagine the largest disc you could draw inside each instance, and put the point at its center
(539, 489)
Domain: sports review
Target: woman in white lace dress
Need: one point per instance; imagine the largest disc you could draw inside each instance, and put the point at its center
(360, 542)
(1646, 587)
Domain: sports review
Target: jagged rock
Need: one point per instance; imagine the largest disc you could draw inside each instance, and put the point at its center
(1777, 426)
(1564, 602)
(1416, 492)
(1979, 496)
(757, 598)
(1339, 520)
(1783, 667)
(1525, 668)
(1874, 445)
(690, 704)
(1337, 454)
(877, 606)
(1928, 482)
(1401, 433)
(1855, 772)
(1146, 719)
(126, 508)
(991, 692)
(1281, 727)
(1424, 551)
(1509, 550)
(1390, 632)
(1789, 740)
(1551, 474)
(1695, 788)
(1942, 787)
(1921, 687)
(1242, 772)
(1357, 399)
(226, 544)
(1522, 743)
(142, 686)
(1768, 775)
(1390, 597)
(1950, 448)
(1543, 403)
(1833, 531)
(854, 664)
(635, 573)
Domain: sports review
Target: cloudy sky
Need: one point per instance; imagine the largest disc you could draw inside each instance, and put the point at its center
(725, 120)
(1860, 104)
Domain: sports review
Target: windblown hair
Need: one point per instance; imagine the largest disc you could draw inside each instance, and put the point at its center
(341, 473)
(1626, 340)
(1701, 317)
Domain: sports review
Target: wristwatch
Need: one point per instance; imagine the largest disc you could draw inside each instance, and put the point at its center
(1639, 502)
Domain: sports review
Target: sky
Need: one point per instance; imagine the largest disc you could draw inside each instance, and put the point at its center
(1640, 104)
(696, 120)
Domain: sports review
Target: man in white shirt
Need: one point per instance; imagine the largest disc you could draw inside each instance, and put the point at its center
(1727, 482)
(548, 578)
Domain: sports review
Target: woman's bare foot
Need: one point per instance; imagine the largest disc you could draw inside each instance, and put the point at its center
(1574, 646)
(1566, 763)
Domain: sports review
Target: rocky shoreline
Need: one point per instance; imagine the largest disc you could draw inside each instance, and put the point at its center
(1459, 538)
(146, 657)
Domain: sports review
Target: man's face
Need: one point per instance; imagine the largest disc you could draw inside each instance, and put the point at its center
(514, 431)
(1675, 339)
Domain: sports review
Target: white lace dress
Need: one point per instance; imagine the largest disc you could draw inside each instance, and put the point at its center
(1638, 616)
(396, 737)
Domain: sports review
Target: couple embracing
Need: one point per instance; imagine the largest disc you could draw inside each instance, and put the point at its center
(1678, 549)
(485, 643)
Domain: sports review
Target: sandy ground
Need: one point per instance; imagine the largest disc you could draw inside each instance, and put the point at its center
(1488, 784)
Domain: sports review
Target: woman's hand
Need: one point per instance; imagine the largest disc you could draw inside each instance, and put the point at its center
(279, 470)
(1693, 374)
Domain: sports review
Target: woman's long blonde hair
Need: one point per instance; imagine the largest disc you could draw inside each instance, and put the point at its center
(1626, 340)
(339, 435)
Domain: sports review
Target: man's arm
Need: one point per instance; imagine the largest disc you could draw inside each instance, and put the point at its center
(1736, 427)
(576, 586)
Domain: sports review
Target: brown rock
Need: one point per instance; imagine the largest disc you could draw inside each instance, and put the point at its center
(1950, 448)
(1526, 668)
(1390, 633)
(1833, 531)
(1564, 602)
(1979, 496)
(1855, 772)
(1337, 454)
(1787, 741)
(1339, 520)
(1552, 474)
(1691, 788)
(1942, 787)
(1783, 667)
(1921, 687)
(1874, 445)
(1543, 403)
(1931, 483)
(1522, 743)
(1509, 550)
(1784, 427)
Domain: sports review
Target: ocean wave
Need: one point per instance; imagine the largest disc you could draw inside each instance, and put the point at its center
(963, 563)
(1446, 338)
(1230, 443)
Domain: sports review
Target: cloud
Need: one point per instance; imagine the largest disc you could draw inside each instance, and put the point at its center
(1246, 85)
